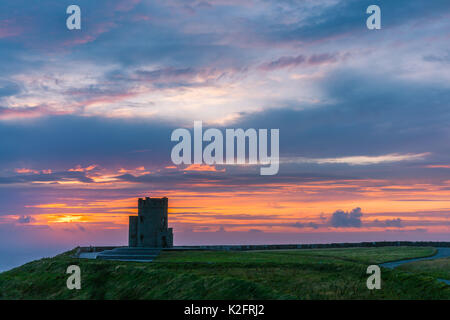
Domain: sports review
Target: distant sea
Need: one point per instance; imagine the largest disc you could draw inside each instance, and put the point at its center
(10, 259)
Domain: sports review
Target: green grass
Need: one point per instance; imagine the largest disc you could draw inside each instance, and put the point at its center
(364, 255)
(284, 274)
(439, 268)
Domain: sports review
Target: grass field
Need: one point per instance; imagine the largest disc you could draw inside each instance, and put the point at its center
(439, 268)
(288, 274)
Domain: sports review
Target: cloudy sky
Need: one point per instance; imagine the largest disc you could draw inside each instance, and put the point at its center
(86, 117)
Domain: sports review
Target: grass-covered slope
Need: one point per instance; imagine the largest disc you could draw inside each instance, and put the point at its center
(439, 268)
(289, 274)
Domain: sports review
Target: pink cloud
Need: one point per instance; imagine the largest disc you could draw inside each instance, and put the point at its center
(127, 5)
(28, 112)
(9, 29)
(96, 31)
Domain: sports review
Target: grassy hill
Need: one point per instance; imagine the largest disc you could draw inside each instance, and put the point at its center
(284, 274)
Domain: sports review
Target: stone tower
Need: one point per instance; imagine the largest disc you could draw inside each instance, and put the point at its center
(150, 227)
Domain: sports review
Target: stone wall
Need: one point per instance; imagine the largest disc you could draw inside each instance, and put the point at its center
(150, 227)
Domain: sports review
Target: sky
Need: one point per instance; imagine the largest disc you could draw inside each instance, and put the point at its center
(86, 118)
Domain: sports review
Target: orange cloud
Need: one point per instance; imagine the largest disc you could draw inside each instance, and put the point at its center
(447, 166)
(278, 207)
(202, 167)
(25, 170)
(138, 171)
(78, 168)
(49, 206)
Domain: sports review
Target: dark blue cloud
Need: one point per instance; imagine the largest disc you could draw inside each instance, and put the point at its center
(183, 34)
(66, 141)
(8, 88)
(285, 62)
(348, 18)
(443, 58)
(25, 219)
(397, 223)
(302, 225)
(368, 114)
(342, 219)
(50, 177)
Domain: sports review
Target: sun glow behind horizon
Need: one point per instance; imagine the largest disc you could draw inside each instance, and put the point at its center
(206, 206)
